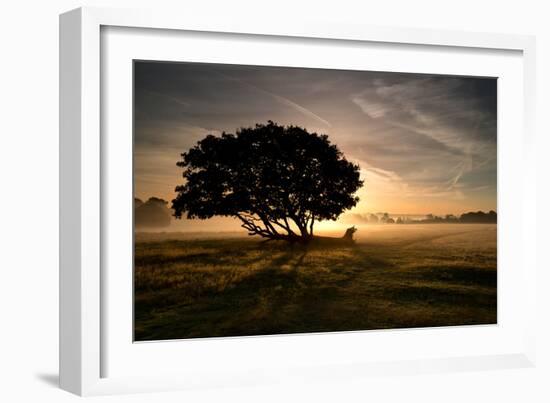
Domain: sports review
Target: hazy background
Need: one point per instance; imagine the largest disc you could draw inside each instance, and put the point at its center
(425, 143)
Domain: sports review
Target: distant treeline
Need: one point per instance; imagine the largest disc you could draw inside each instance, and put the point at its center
(472, 217)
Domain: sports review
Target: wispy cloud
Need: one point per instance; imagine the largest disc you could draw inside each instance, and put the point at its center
(391, 184)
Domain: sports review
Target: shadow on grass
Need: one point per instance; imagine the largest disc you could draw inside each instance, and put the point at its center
(443, 296)
(460, 274)
(218, 288)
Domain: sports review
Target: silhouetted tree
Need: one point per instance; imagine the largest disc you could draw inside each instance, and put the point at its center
(451, 218)
(277, 180)
(479, 217)
(153, 213)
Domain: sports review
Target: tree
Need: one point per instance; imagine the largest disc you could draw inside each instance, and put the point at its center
(154, 213)
(479, 217)
(277, 180)
(451, 218)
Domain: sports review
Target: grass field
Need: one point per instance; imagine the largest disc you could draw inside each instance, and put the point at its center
(394, 276)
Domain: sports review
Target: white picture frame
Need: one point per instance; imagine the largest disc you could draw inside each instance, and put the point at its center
(85, 345)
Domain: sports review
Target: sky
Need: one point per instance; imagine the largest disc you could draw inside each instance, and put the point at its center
(425, 143)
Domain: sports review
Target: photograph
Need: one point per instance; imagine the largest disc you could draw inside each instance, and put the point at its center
(272, 200)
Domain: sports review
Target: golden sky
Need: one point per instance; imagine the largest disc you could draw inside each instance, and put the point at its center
(425, 143)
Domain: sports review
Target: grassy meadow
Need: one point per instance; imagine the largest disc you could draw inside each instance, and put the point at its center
(394, 276)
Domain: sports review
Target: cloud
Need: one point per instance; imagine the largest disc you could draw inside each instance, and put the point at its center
(372, 109)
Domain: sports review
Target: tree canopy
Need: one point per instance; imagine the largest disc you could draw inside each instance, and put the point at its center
(277, 180)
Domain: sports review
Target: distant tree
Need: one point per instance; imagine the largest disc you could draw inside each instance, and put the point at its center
(373, 218)
(399, 220)
(451, 218)
(390, 221)
(277, 180)
(479, 217)
(154, 213)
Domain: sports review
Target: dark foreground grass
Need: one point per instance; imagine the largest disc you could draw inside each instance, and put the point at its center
(233, 287)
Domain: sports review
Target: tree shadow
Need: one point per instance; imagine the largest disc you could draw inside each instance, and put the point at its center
(365, 258)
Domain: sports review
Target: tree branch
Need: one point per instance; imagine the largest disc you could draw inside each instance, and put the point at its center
(285, 226)
(249, 223)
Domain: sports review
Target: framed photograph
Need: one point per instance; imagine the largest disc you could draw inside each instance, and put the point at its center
(246, 203)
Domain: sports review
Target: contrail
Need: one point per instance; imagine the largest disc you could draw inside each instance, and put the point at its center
(169, 97)
(281, 99)
(294, 105)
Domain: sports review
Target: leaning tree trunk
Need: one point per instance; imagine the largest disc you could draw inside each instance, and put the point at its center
(259, 224)
(271, 229)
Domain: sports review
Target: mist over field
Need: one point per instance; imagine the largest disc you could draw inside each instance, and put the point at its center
(164, 222)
